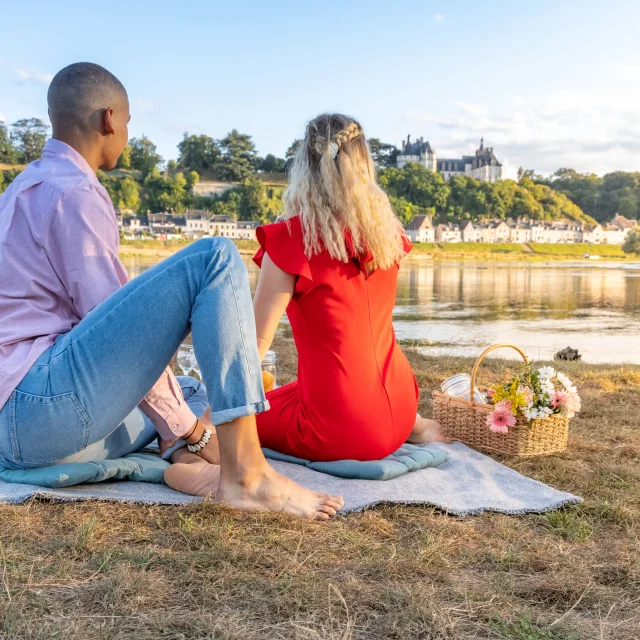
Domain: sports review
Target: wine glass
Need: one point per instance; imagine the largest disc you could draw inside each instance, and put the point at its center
(187, 363)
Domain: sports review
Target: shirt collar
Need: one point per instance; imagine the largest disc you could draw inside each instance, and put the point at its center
(59, 148)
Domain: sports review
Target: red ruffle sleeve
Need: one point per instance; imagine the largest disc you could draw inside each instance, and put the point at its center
(284, 243)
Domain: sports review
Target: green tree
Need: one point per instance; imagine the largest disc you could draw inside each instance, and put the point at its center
(28, 137)
(124, 161)
(144, 155)
(384, 155)
(7, 177)
(129, 194)
(271, 164)
(528, 174)
(290, 153)
(8, 153)
(632, 243)
(192, 178)
(199, 153)
(238, 156)
(416, 184)
(254, 200)
(165, 193)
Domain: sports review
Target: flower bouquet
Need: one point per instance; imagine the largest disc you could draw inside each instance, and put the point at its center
(537, 394)
(527, 416)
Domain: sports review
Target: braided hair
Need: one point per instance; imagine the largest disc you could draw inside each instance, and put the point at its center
(333, 188)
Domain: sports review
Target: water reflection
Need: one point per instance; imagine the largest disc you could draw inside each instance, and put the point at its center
(459, 308)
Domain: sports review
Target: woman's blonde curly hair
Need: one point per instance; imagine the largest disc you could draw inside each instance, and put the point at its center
(333, 188)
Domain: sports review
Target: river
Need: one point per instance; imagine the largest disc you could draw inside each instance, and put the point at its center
(458, 308)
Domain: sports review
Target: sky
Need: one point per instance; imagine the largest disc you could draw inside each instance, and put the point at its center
(548, 83)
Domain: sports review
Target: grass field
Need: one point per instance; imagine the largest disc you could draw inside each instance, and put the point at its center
(110, 571)
(421, 250)
(578, 250)
(508, 250)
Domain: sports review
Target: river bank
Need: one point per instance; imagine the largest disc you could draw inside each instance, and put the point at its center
(531, 252)
(110, 570)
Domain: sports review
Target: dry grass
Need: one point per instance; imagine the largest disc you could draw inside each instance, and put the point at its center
(114, 571)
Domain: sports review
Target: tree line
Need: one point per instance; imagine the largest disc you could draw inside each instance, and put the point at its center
(148, 183)
(599, 197)
(414, 190)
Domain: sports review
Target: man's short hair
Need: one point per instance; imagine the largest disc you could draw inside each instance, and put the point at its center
(79, 89)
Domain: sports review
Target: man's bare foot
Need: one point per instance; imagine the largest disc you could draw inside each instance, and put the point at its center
(427, 431)
(192, 475)
(267, 490)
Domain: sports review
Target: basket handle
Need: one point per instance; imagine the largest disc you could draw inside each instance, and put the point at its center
(482, 356)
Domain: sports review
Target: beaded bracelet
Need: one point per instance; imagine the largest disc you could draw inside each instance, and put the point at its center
(202, 443)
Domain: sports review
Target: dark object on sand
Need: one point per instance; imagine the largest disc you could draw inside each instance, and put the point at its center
(568, 354)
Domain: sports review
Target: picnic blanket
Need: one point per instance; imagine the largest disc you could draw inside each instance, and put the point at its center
(467, 483)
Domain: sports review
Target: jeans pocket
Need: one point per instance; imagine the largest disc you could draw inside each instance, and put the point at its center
(44, 429)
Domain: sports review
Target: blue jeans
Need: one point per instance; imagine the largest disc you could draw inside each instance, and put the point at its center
(79, 399)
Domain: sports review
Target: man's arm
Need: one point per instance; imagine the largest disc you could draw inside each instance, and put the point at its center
(81, 242)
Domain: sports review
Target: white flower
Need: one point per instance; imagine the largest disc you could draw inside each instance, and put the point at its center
(547, 372)
(530, 413)
(566, 383)
(573, 405)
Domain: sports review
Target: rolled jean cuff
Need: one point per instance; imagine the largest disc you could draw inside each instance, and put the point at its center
(220, 417)
(227, 415)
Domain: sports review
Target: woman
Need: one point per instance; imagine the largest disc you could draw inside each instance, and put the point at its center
(332, 264)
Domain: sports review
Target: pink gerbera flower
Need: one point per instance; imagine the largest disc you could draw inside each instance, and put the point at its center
(501, 419)
(560, 399)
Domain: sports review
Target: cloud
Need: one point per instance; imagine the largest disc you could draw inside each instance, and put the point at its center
(439, 17)
(2, 118)
(33, 75)
(628, 72)
(583, 129)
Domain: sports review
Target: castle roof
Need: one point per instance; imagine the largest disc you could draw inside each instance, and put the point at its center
(417, 148)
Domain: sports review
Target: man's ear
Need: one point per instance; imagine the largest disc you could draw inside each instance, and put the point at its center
(107, 122)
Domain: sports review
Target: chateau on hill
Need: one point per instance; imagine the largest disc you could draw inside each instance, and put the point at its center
(482, 166)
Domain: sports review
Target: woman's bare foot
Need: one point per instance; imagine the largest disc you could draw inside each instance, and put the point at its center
(427, 431)
(264, 491)
(267, 490)
(192, 475)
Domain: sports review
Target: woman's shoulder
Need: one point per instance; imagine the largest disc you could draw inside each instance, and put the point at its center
(292, 226)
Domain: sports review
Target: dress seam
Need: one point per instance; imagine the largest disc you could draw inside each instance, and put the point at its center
(375, 357)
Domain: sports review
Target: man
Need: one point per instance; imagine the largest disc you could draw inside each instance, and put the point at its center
(80, 348)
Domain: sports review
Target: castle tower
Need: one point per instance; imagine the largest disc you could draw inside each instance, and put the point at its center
(430, 158)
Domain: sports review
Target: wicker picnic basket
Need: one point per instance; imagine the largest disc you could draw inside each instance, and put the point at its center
(466, 420)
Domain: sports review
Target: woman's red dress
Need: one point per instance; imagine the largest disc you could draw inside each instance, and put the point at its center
(356, 396)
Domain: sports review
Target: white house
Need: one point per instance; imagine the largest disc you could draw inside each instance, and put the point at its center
(197, 227)
(503, 232)
(520, 232)
(614, 235)
(420, 229)
(593, 234)
(247, 229)
(448, 232)
(224, 226)
(470, 232)
(487, 232)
